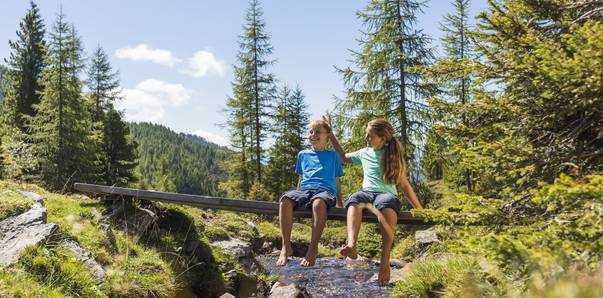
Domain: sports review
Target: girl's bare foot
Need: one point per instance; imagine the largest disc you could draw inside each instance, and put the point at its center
(286, 252)
(310, 258)
(349, 251)
(384, 274)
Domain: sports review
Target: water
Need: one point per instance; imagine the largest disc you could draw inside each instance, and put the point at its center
(330, 277)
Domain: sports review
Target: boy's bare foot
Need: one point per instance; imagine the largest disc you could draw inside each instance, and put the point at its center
(349, 251)
(310, 258)
(384, 275)
(286, 252)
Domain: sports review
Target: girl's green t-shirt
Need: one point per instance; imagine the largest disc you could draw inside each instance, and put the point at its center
(373, 174)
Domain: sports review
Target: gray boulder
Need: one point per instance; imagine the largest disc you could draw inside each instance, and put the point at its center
(282, 290)
(20, 231)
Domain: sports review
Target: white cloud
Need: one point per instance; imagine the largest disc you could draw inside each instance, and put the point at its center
(142, 52)
(204, 63)
(214, 138)
(148, 100)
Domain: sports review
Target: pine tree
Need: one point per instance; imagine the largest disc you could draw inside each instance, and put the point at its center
(248, 109)
(119, 150)
(25, 63)
(385, 82)
(61, 125)
(116, 156)
(290, 120)
(103, 84)
(452, 74)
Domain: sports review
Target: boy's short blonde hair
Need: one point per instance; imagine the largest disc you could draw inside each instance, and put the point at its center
(317, 124)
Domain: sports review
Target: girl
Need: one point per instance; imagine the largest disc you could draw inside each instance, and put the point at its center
(383, 167)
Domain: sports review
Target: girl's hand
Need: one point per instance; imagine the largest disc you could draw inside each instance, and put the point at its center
(327, 119)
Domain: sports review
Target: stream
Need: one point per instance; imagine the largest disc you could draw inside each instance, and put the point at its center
(330, 277)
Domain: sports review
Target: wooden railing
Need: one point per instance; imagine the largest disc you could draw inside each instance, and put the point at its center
(217, 203)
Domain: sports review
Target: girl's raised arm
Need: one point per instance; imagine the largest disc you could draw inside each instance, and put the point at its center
(345, 158)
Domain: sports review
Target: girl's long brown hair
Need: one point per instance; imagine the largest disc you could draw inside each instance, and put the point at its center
(392, 161)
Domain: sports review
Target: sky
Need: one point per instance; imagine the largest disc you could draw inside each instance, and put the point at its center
(175, 58)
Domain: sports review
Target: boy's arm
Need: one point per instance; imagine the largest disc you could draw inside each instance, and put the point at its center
(345, 158)
(299, 177)
(339, 202)
(409, 193)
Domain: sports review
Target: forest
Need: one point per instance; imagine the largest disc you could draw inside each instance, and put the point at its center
(502, 133)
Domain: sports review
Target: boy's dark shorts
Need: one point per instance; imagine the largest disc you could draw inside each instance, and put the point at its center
(305, 197)
(379, 199)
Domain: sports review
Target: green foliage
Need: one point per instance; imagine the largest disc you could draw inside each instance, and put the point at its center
(25, 66)
(61, 128)
(177, 162)
(455, 276)
(17, 156)
(59, 268)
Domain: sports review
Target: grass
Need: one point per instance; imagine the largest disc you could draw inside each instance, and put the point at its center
(12, 202)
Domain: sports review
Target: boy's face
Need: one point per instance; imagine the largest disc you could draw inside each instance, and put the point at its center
(318, 137)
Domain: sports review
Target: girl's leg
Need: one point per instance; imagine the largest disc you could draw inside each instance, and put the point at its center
(354, 219)
(386, 246)
(319, 219)
(285, 216)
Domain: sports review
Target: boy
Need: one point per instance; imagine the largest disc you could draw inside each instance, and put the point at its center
(317, 187)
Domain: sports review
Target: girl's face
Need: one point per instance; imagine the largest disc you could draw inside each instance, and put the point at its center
(373, 140)
(318, 137)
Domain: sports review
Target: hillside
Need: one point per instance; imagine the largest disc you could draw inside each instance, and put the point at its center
(179, 162)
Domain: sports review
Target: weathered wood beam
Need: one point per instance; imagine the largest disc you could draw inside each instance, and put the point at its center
(258, 207)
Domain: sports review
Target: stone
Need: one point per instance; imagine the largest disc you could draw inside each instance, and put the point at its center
(426, 237)
(235, 247)
(396, 275)
(97, 271)
(23, 230)
(227, 295)
(139, 222)
(282, 290)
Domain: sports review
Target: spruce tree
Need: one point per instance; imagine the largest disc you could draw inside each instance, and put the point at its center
(61, 126)
(452, 74)
(103, 84)
(383, 81)
(25, 64)
(290, 120)
(248, 108)
(119, 149)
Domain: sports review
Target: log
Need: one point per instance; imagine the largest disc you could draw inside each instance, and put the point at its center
(217, 203)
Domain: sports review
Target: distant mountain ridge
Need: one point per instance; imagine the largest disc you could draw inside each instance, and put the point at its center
(178, 162)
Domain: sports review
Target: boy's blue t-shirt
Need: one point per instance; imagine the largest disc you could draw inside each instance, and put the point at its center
(319, 169)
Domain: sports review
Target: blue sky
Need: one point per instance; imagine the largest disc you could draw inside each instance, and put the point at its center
(175, 57)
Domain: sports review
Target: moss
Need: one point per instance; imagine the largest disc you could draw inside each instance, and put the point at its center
(12, 202)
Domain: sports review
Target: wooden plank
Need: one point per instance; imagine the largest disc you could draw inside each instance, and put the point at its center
(247, 206)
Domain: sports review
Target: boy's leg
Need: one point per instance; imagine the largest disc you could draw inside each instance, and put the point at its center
(285, 216)
(354, 219)
(386, 246)
(319, 219)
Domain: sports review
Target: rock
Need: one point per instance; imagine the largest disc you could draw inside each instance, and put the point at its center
(139, 222)
(235, 247)
(426, 237)
(396, 275)
(281, 290)
(20, 231)
(110, 240)
(97, 271)
(227, 295)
